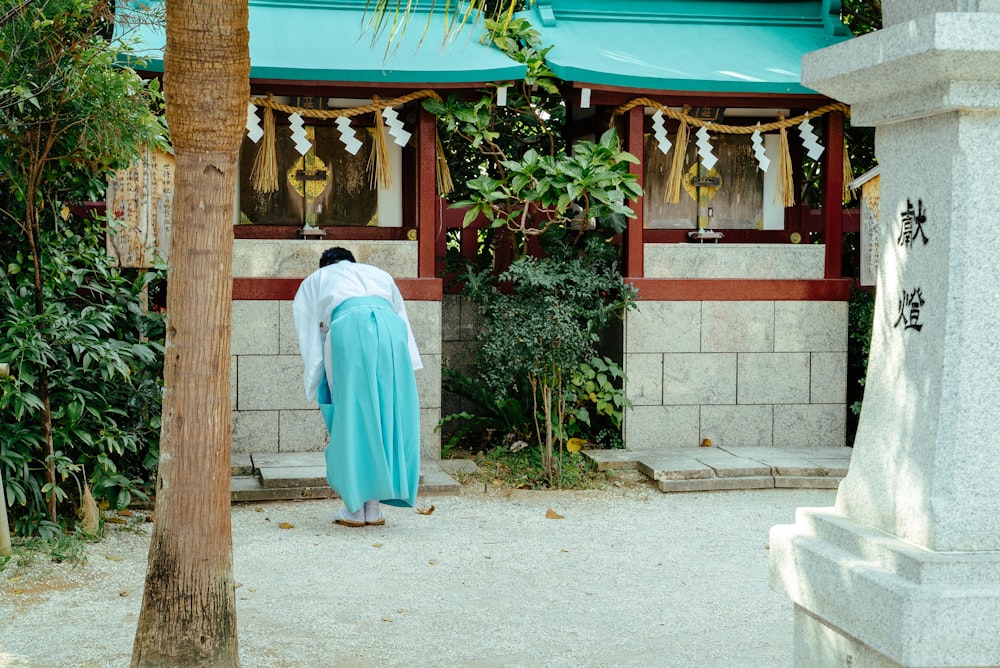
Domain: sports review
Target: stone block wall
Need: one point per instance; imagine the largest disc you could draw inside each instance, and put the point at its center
(288, 258)
(458, 345)
(764, 373)
(733, 261)
(270, 410)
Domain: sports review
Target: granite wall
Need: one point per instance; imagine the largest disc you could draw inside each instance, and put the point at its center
(766, 373)
(270, 410)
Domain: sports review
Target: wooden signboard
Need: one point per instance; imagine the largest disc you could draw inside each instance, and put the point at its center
(139, 208)
(870, 231)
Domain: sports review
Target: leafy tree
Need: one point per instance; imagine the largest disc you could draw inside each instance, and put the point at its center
(522, 178)
(862, 16)
(84, 394)
(540, 323)
(541, 318)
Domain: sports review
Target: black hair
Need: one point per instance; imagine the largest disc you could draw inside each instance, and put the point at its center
(335, 255)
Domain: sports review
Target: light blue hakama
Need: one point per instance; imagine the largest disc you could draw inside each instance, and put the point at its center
(370, 406)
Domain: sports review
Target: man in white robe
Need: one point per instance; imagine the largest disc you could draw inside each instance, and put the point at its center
(359, 357)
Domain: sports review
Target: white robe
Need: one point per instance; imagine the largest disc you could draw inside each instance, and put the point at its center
(324, 290)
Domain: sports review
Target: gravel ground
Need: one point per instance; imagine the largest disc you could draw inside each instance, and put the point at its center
(627, 577)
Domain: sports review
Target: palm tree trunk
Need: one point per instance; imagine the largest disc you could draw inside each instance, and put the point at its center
(188, 612)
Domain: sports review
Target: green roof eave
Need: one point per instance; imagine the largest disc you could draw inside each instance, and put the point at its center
(720, 46)
(329, 41)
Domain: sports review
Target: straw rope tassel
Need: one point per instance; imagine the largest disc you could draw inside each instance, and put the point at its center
(848, 175)
(441, 169)
(672, 193)
(786, 187)
(378, 161)
(264, 175)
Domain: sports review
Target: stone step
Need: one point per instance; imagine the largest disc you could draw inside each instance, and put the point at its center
(731, 467)
(302, 475)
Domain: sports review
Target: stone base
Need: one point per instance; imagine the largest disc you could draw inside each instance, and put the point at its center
(821, 645)
(865, 598)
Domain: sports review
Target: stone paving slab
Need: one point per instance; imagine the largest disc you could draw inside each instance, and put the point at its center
(716, 484)
(673, 467)
(798, 463)
(292, 476)
(732, 467)
(288, 459)
(298, 475)
(806, 482)
(728, 465)
(242, 465)
(608, 460)
(248, 488)
(436, 481)
(302, 475)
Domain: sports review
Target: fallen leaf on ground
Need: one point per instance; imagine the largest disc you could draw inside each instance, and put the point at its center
(376, 545)
(285, 525)
(115, 520)
(553, 515)
(425, 511)
(123, 593)
(125, 512)
(574, 444)
(706, 443)
(113, 557)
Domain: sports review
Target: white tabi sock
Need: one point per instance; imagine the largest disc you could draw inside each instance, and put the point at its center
(373, 511)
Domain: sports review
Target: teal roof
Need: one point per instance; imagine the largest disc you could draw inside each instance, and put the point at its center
(755, 46)
(330, 40)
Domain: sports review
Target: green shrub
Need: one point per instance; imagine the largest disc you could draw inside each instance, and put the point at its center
(82, 404)
(597, 401)
(860, 316)
(542, 317)
(101, 353)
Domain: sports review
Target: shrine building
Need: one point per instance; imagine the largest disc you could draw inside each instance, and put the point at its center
(741, 332)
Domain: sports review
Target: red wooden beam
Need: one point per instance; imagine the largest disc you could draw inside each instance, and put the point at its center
(730, 236)
(332, 233)
(634, 144)
(697, 289)
(426, 194)
(833, 190)
(283, 289)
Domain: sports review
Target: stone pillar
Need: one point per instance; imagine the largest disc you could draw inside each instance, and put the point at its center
(905, 569)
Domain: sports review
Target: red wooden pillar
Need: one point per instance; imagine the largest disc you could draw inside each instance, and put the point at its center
(634, 144)
(833, 192)
(426, 195)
